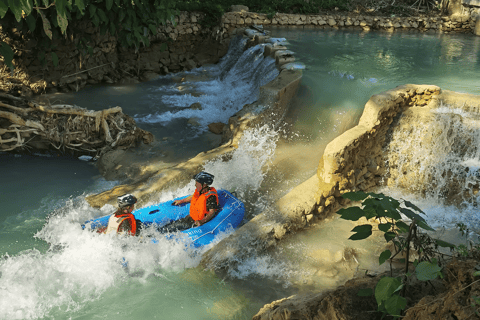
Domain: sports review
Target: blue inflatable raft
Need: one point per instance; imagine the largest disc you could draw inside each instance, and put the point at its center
(228, 218)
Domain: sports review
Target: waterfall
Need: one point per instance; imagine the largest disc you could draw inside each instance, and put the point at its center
(435, 155)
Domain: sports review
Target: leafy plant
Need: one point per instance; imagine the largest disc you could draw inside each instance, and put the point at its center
(387, 211)
(132, 21)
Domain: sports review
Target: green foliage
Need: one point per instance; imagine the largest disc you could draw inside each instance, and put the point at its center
(132, 21)
(388, 212)
(426, 271)
(7, 54)
(387, 296)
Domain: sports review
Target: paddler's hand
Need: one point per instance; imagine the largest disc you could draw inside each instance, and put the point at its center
(176, 203)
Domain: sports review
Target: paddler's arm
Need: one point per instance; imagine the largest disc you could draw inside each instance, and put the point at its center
(208, 217)
(184, 200)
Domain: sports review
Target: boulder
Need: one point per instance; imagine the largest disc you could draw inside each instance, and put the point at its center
(216, 127)
(196, 106)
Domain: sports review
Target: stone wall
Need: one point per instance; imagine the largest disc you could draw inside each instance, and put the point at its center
(460, 23)
(189, 46)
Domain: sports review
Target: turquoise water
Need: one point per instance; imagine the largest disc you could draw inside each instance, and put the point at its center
(52, 269)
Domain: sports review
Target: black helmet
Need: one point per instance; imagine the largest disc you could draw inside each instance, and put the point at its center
(126, 200)
(204, 178)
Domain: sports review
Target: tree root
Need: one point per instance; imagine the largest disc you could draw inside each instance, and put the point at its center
(26, 125)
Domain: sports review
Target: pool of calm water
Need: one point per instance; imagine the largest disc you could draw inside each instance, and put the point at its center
(50, 268)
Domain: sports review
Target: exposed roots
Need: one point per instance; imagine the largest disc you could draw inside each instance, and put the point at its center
(26, 125)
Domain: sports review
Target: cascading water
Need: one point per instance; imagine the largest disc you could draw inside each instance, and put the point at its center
(80, 267)
(65, 272)
(233, 82)
(437, 157)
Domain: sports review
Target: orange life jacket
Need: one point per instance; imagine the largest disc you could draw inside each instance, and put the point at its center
(115, 221)
(198, 204)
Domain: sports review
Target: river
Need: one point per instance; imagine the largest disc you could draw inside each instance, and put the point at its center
(52, 269)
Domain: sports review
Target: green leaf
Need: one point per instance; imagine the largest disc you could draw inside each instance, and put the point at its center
(426, 271)
(60, 6)
(62, 23)
(385, 288)
(31, 22)
(402, 226)
(54, 59)
(384, 226)
(121, 15)
(3, 8)
(16, 8)
(81, 6)
(444, 244)
(102, 15)
(95, 20)
(476, 273)
(153, 29)
(395, 304)
(46, 24)
(384, 256)
(146, 41)
(355, 196)
(369, 213)
(109, 4)
(7, 54)
(411, 215)
(163, 47)
(424, 225)
(92, 9)
(367, 292)
(362, 232)
(389, 236)
(352, 213)
(26, 6)
(414, 207)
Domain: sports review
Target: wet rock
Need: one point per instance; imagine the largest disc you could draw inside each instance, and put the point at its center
(194, 121)
(196, 106)
(216, 127)
(147, 76)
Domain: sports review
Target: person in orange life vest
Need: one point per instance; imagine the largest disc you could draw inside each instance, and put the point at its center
(203, 205)
(123, 220)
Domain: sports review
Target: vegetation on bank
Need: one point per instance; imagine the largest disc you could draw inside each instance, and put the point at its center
(407, 240)
(133, 21)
